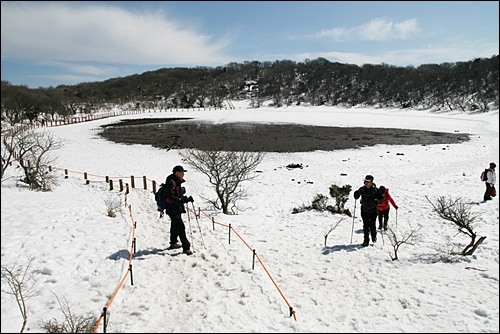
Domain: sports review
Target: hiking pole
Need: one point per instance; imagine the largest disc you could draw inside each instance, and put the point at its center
(353, 216)
(396, 220)
(190, 231)
(382, 234)
(197, 222)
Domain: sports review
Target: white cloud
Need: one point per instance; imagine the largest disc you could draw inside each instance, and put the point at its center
(64, 32)
(429, 54)
(87, 69)
(378, 29)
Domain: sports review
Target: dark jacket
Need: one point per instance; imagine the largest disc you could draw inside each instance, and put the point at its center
(370, 197)
(175, 195)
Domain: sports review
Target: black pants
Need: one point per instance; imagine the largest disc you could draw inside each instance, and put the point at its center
(177, 229)
(383, 218)
(369, 225)
(487, 193)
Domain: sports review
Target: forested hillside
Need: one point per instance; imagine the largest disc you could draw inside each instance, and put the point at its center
(464, 86)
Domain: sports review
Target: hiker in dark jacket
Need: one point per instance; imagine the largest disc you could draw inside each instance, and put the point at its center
(176, 199)
(491, 178)
(370, 197)
(384, 207)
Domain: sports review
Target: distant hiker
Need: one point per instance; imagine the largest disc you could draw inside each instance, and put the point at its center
(491, 178)
(370, 197)
(383, 207)
(176, 199)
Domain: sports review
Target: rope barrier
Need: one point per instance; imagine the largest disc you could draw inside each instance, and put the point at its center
(132, 249)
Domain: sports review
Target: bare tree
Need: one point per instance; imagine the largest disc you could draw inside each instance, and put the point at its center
(8, 143)
(33, 149)
(409, 237)
(225, 172)
(334, 226)
(459, 213)
(21, 286)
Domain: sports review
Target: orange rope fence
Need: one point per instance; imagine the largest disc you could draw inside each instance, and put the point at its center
(109, 180)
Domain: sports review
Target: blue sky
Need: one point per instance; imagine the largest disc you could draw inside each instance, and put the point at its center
(51, 43)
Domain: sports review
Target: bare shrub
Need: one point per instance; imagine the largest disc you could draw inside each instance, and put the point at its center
(334, 226)
(34, 152)
(410, 236)
(112, 205)
(459, 213)
(72, 323)
(225, 171)
(21, 285)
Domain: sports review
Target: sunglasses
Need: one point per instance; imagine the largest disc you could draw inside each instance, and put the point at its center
(367, 181)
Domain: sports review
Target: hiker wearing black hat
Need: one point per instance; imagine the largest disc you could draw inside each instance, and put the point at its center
(491, 178)
(175, 208)
(370, 197)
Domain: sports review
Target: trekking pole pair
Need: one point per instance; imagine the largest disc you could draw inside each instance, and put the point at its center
(199, 228)
(190, 230)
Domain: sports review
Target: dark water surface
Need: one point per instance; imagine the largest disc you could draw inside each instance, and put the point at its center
(169, 133)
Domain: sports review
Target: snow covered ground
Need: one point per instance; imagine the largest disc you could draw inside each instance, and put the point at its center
(81, 254)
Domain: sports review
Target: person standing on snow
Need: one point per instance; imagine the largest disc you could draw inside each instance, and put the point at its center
(383, 207)
(176, 199)
(491, 178)
(370, 197)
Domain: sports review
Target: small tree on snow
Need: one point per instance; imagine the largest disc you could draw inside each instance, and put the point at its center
(409, 237)
(22, 285)
(225, 171)
(459, 213)
(33, 150)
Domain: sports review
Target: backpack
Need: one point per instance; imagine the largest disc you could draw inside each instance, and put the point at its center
(161, 198)
(484, 175)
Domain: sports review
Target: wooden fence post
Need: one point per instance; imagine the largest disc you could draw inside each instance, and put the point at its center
(132, 181)
(145, 182)
(110, 184)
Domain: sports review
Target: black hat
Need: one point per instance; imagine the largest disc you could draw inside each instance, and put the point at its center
(382, 189)
(369, 178)
(493, 165)
(178, 168)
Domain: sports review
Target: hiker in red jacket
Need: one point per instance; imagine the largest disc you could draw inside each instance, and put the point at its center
(383, 207)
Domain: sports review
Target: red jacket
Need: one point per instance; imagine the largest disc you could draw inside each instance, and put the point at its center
(384, 205)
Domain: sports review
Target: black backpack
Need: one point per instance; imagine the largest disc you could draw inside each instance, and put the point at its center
(484, 175)
(161, 198)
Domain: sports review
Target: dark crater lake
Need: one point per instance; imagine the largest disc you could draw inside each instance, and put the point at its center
(174, 133)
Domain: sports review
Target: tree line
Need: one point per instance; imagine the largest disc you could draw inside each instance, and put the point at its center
(465, 86)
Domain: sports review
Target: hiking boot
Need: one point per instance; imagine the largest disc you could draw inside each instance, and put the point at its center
(175, 246)
(374, 239)
(380, 227)
(365, 243)
(187, 252)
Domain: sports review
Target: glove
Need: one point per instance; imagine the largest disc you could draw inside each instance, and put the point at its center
(396, 207)
(190, 199)
(161, 213)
